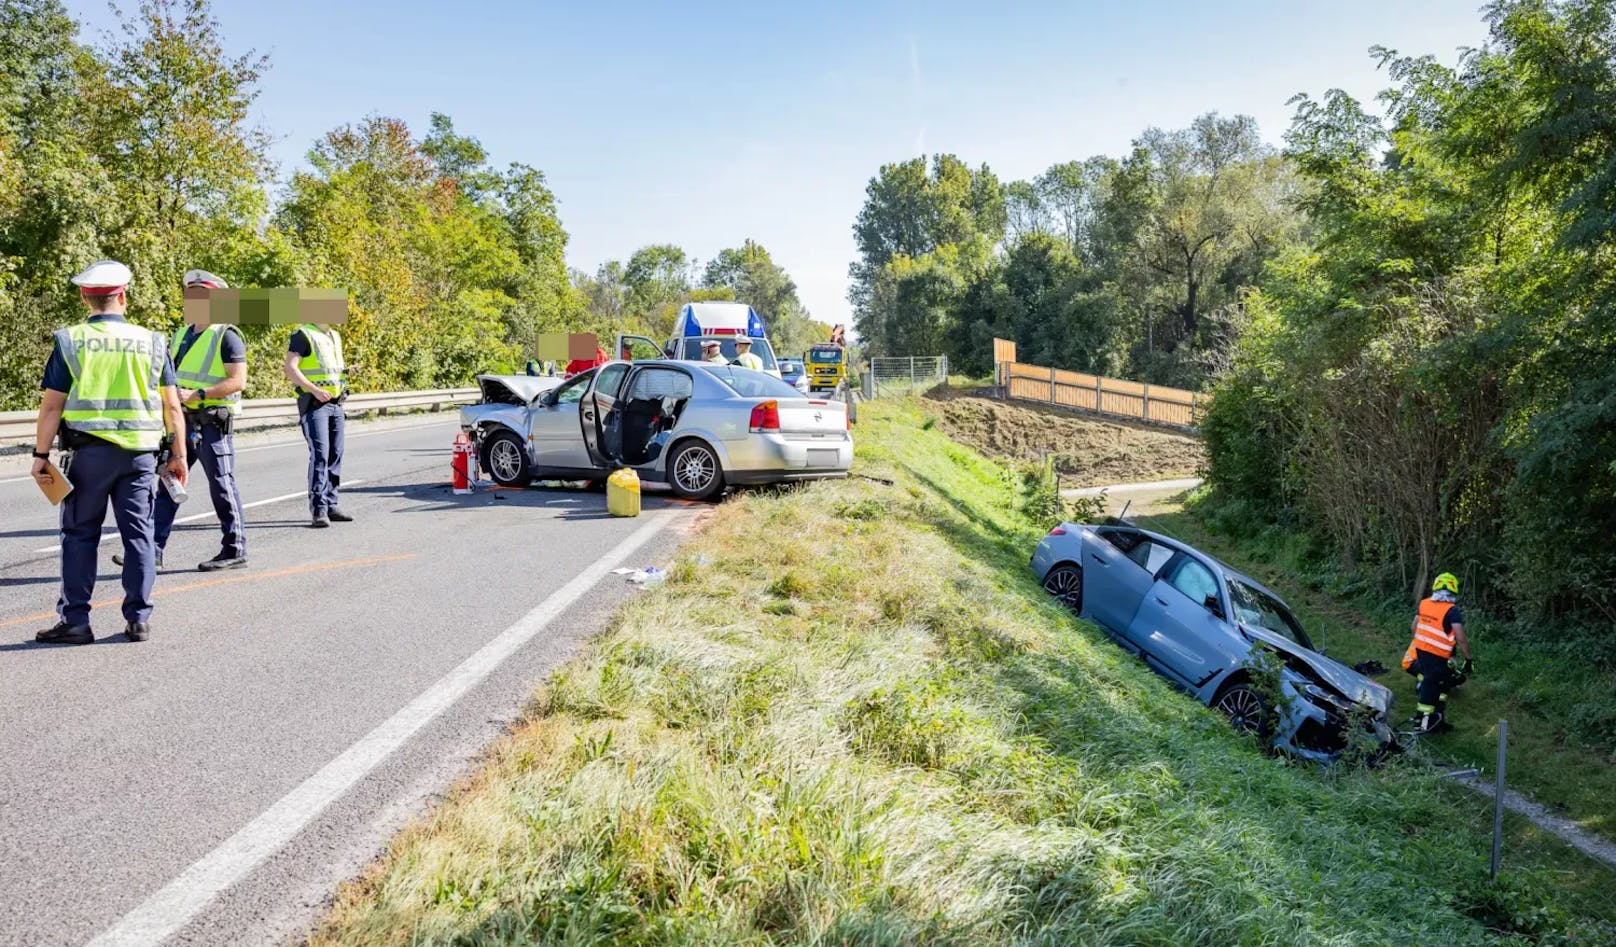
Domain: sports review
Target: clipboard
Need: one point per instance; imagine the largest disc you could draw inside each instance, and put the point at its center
(58, 489)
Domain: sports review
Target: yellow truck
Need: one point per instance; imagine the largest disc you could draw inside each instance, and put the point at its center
(826, 366)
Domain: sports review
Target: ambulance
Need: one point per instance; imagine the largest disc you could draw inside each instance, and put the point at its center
(698, 322)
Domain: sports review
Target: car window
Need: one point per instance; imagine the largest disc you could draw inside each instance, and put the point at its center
(825, 356)
(659, 383)
(691, 350)
(611, 378)
(1253, 606)
(1194, 580)
(572, 390)
(750, 384)
(1149, 556)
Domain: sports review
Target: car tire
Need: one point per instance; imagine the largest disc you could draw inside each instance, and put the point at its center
(505, 459)
(694, 472)
(1065, 582)
(1246, 709)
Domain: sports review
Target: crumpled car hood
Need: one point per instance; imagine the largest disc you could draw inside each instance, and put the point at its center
(1350, 683)
(525, 387)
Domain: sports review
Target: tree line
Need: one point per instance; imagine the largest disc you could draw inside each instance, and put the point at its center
(1129, 266)
(1407, 319)
(141, 148)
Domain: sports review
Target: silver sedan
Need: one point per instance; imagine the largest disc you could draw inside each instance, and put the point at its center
(696, 426)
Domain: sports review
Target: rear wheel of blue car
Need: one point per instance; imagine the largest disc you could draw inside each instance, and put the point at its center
(1245, 708)
(1065, 582)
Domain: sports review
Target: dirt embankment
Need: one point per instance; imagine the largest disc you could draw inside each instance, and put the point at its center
(1087, 451)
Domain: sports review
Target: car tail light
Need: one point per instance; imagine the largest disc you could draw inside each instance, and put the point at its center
(1058, 531)
(765, 417)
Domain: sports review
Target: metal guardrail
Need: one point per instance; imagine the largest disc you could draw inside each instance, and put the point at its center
(17, 427)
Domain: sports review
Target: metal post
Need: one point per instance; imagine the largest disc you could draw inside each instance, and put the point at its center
(1498, 797)
(1052, 386)
(1147, 402)
(911, 374)
(1099, 389)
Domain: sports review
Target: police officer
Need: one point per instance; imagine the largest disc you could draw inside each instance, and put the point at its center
(210, 363)
(712, 350)
(744, 356)
(109, 393)
(314, 364)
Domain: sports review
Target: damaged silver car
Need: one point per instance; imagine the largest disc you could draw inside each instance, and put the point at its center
(1203, 626)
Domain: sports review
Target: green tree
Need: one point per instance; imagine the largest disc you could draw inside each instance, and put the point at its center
(754, 278)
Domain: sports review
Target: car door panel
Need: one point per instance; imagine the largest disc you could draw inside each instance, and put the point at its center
(1179, 630)
(1113, 584)
(558, 442)
(596, 406)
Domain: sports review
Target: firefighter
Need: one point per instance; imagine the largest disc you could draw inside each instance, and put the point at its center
(743, 354)
(109, 393)
(1438, 627)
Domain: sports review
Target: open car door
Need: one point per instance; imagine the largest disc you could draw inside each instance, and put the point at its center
(594, 410)
(636, 348)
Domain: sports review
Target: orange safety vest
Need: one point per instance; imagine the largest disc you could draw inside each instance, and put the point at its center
(1429, 635)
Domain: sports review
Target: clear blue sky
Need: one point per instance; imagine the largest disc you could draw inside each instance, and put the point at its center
(702, 124)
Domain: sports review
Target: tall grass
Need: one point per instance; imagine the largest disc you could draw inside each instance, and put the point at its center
(850, 716)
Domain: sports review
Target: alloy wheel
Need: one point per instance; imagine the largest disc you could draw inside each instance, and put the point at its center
(505, 460)
(1243, 708)
(695, 469)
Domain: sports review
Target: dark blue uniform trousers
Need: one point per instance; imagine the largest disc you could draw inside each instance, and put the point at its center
(98, 474)
(217, 452)
(322, 430)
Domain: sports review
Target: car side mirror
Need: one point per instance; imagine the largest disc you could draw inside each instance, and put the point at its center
(1211, 605)
(547, 399)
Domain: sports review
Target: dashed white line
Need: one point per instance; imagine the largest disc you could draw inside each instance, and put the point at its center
(170, 908)
(112, 533)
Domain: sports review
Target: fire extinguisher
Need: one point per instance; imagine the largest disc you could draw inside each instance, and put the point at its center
(462, 463)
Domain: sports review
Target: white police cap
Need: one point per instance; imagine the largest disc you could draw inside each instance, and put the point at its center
(204, 278)
(103, 278)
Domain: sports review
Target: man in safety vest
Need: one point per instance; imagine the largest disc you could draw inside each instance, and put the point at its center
(744, 356)
(314, 364)
(109, 394)
(1438, 627)
(210, 363)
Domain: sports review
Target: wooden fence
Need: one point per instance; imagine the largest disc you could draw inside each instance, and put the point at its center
(1128, 399)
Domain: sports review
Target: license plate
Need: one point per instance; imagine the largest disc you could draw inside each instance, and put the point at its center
(823, 458)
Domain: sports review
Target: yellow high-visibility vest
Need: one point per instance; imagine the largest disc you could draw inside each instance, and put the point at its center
(117, 374)
(203, 365)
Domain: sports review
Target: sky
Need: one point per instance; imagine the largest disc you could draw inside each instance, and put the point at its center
(704, 124)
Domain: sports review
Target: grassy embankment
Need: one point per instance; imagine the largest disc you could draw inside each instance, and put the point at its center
(851, 716)
(1561, 710)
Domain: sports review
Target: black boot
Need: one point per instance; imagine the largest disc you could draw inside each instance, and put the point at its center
(137, 631)
(337, 516)
(224, 560)
(63, 633)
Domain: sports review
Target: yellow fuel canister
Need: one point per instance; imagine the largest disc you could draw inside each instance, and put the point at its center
(623, 493)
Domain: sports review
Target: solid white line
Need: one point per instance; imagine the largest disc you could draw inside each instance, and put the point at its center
(112, 533)
(247, 450)
(1185, 484)
(165, 912)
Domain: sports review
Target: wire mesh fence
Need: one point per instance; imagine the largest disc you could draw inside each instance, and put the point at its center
(890, 377)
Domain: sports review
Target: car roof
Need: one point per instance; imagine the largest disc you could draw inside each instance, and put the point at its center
(1228, 570)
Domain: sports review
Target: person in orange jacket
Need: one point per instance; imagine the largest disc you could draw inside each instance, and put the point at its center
(1438, 629)
(579, 365)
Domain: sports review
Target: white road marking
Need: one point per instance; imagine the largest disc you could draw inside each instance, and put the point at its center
(112, 533)
(165, 912)
(348, 437)
(1186, 484)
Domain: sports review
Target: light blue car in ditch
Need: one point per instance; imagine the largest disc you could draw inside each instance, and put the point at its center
(1199, 623)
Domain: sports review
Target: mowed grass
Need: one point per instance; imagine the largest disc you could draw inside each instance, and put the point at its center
(850, 716)
(1561, 708)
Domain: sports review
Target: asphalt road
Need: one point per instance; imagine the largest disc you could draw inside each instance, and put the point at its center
(215, 783)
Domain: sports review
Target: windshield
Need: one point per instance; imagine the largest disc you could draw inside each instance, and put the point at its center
(691, 351)
(750, 384)
(825, 356)
(1255, 607)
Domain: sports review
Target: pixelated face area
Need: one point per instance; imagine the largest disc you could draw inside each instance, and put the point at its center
(567, 346)
(280, 306)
